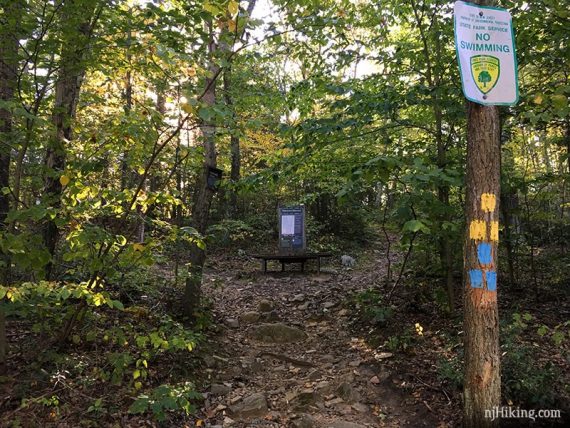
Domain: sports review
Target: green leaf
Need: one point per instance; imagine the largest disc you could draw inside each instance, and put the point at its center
(212, 8)
(169, 403)
(140, 405)
(233, 7)
(415, 226)
(558, 337)
(559, 101)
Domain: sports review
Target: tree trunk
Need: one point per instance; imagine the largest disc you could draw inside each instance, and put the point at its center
(567, 141)
(9, 31)
(126, 177)
(482, 384)
(234, 148)
(204, 194)
(235, 171)
(443, 196)
(433, 79)
(72, 70)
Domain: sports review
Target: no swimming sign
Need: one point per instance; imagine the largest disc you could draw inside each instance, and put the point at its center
(485, 44)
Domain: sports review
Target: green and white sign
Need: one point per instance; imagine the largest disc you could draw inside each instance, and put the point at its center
(485, 44)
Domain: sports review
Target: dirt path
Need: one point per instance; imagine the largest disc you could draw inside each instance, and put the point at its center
(286, 358)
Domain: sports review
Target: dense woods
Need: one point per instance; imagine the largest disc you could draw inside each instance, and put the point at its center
(145, 147)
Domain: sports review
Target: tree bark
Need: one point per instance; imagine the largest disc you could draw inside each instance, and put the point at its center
(506, 208)
(433, 78)
(482, 384)
(204, 194)
(235, 154)
(127, 178)
(75, 42)
(9, 31)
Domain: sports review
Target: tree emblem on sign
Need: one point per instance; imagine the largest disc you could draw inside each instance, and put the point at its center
(484, 78)
(485, 70)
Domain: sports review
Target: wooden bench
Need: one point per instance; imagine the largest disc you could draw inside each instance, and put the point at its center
(291, 258)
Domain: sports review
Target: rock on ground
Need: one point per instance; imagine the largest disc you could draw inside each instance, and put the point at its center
(249, 317)
(219, 389)
(231, 322)
(265, 305)
(252, 406)
(345, 424)
(304, 421)
(278, 333)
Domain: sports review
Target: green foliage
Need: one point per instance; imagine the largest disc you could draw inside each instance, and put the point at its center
(349, 107)
(231, 231)
(526, 381)
(440, 298)
(559, 334)
(25, 250)
(144, 347)
(371, 307)
(451, 370)
(527, 384)
(405, 341)
(166, 398)
(97, 408)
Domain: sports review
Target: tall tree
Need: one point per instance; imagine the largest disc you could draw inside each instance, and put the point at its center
(235, 151)
(436, 71)
(204, 192)
(78, 18)
(482, 381)
(9, 31)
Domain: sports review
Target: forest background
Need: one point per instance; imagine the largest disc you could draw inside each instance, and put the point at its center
(113, 112)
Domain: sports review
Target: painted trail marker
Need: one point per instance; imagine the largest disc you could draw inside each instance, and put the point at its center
(485, 45)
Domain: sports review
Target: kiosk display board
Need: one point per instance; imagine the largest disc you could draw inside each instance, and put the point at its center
(292, 229)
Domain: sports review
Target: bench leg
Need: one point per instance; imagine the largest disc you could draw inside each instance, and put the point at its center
(302, 266)
(318, 265)
(282, 266)
(264, 266)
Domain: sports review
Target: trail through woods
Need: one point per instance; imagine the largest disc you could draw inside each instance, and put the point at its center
(286, 356)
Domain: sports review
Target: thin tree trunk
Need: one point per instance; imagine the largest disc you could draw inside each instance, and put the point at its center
(126, 178)
(433, 79)
(482, 384)
(30, 123)
(567, 141)
(67, 89)
(234, 148)
(204, 194)
(8, 80)
(506, 211)
(235, 171)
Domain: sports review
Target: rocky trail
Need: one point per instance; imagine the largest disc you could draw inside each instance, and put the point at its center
(286, 357)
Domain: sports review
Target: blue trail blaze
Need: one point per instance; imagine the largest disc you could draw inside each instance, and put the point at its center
(491, 277)
(484, 253)
(476, 278)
